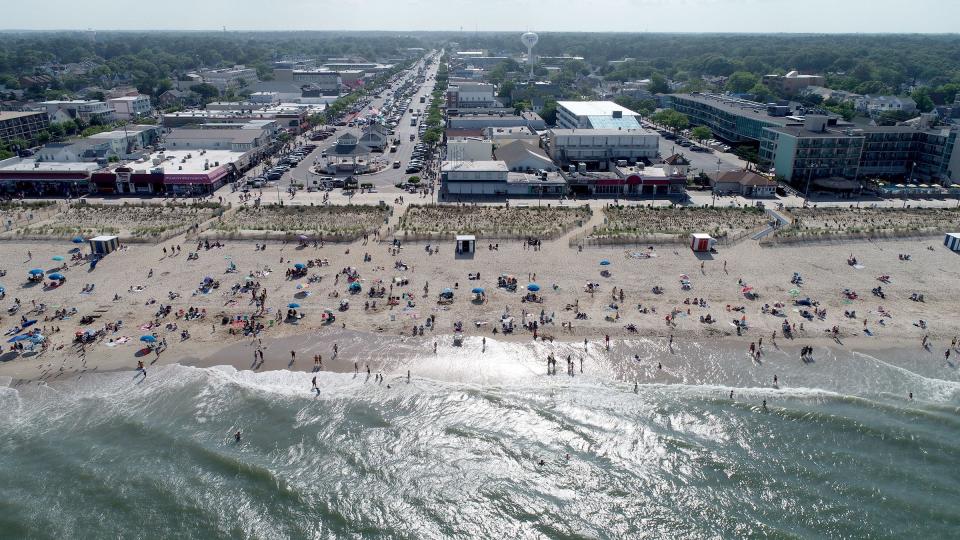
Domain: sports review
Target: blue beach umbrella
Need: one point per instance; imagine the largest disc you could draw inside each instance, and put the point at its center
(57, 276)
(21, 337)
(533, 287)
(299, 266)
(36, 272)
(293, 305)
(355, 286)
(604, 262)
(478, 290)
(58, 258)
(448, 291)
(3, 289)
(77, 240)
(148, 339)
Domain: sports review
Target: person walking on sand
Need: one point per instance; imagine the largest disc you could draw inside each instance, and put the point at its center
(775, 381)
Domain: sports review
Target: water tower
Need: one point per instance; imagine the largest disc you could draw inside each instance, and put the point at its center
(530, 40)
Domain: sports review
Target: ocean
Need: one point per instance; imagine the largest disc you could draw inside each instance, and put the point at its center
(483, 444)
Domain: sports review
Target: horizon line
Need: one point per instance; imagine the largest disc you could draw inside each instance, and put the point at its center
(222, 30)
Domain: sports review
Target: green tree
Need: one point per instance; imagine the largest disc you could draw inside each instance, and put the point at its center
(658, 84)
(549, 112)
(205, 91)
(740, 82)
(701, 133)
(922, 97)
(521, 106)
(761, 92)
(672, 119)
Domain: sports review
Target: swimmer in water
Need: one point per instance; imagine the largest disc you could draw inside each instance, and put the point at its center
(236, 436)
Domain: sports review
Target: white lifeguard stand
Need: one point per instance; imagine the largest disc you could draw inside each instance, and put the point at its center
(466, 245)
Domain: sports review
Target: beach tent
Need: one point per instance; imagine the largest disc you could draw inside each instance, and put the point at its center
(101, 245)
(77, 240)
(952, 241)
(701, 242)
(466, 244)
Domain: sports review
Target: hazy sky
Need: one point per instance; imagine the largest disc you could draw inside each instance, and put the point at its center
(844, 16)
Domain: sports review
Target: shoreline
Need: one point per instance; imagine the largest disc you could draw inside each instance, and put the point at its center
(396, 354)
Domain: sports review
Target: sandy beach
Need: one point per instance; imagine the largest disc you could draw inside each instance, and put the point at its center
(129, 288)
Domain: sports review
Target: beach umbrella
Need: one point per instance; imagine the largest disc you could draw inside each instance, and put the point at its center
(604, 262)
(355, 286)
(477, 290)
(299, 266)
(58, 258)
(533, 287)
(746, 289)
(57, 276)
(293, 305)
(77, 240)
(794, 292)
(3, 289)
(37, 338)
(148, 339)
(303, 237)
(448, 291)
(36, 272)
(21, 337)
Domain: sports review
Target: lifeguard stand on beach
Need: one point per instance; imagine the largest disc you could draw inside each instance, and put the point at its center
(466, 245)
(700, 242)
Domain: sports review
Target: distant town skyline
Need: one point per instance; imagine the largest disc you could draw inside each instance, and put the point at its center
(733, 16)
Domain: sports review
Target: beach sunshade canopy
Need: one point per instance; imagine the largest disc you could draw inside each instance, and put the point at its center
(36, 272)
(533, 287)
(3, 289)
(77, 240)
(448, 291)
(21, 337)
(299, 266)
(478, 290)
(58, 276)
(293, 305)
(604, 262)
(303, 237)
(148, 339)
(355, 285)
(58, 257)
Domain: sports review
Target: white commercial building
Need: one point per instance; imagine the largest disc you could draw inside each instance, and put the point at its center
(85, 110)
(130, 107)
(227, 77)
(469, 149)
(471, 95)
(602, 145)
(474, 178)
(596, 115)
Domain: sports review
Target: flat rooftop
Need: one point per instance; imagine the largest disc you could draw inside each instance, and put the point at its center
(594, 108)
(10, 115)
(741, 107)
(29, 165)
(604, 132)
(496, 166)
(172, 162)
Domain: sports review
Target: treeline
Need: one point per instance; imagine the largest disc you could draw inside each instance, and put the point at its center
(872, 64)
(149, 59)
